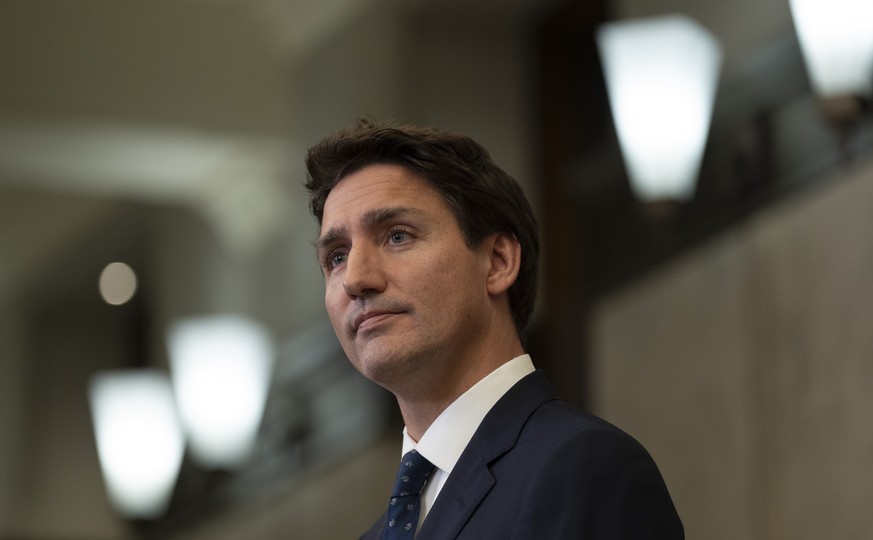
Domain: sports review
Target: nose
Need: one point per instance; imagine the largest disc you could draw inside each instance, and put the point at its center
(363, 274)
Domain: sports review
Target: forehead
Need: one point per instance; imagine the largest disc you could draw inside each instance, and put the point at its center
(380, 186)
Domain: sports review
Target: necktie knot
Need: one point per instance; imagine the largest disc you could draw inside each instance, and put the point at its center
(405, 504)
(412, 474)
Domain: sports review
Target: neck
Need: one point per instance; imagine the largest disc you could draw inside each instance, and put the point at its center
(422, 405)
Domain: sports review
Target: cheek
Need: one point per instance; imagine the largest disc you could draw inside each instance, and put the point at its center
(454, 267)
(333, 305)
(447, 281)
(335, 313)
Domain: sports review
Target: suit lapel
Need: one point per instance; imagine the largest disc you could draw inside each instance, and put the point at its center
(465, 488)
(471, 479)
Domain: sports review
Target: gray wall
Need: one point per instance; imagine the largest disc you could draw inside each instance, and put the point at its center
(746, 368)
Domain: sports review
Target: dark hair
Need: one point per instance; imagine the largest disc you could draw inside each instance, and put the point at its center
(484, 199)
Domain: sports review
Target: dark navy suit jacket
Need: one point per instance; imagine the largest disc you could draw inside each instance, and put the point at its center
(539, 469)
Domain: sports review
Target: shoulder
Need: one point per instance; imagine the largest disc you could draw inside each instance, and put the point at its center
(557, 420)
(558, 432)
(548, 419)
(605, 475)
(530, 418)
(561, 473)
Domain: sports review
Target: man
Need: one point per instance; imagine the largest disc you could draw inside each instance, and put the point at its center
(429, 254)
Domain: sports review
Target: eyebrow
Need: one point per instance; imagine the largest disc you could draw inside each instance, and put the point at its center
(369, 220)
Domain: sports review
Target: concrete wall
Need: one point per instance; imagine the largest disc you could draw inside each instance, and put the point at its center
(746, 368)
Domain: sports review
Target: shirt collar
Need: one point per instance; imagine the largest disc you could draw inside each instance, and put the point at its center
(445, 439)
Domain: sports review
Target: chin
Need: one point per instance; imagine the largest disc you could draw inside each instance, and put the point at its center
(378, 370)
(383, 367)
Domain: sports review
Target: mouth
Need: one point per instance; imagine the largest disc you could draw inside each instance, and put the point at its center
(370, 319)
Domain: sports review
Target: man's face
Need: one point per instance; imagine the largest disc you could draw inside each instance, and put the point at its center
(405, 294)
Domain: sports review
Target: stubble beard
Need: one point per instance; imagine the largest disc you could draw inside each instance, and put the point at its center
(398, 367)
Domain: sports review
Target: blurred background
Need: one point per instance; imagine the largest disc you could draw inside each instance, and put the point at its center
(151, 208)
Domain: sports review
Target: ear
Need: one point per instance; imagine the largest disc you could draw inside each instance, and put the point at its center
(504, 263)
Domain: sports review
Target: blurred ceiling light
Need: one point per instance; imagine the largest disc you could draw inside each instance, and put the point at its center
(236, 180)
(661, 75)
(836, 38)
(221, 368)
(117, 283)
(139, 439)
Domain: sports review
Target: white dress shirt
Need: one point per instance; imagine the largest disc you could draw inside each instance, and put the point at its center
(445, 439)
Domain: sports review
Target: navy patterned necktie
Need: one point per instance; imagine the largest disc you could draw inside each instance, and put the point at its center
(405, 504)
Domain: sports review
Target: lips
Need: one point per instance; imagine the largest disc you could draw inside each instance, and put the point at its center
(369, 318)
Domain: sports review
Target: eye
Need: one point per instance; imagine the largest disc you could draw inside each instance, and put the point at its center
(334, 259)
(398, 236)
